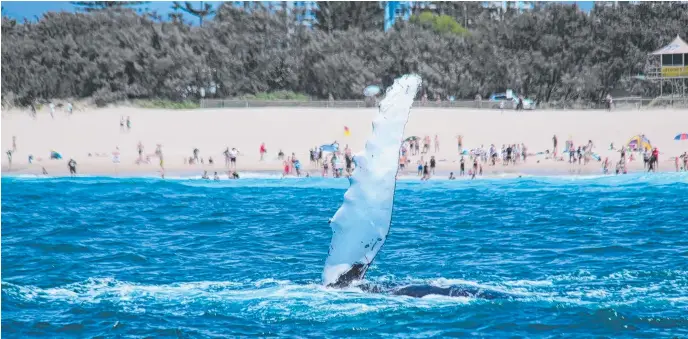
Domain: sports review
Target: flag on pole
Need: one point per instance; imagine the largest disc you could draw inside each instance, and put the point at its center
(347, 132)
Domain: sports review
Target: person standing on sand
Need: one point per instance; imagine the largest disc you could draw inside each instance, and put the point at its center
(263, 150)
(226, 154)
(121, 123)
(554, 142)
(140, 150)
(128, 123)
(232, 157)
(433, 163)
(325, 167)
(158, 152)
(605, 166)
(426, 172)
(52, 110)
(14, 143)
(655, 158)
(459, 142)
(69, 108)
(9, 157)
(437, 143)
(685, 161)
(462, 168)
(72, 167)
(216, 177)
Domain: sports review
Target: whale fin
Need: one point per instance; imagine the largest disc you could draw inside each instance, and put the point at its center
(361, 225)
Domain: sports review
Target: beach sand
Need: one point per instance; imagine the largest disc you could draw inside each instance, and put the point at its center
(299, 129)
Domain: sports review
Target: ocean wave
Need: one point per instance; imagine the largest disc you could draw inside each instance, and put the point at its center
(577, 290)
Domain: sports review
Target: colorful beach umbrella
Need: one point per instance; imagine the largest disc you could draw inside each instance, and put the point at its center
(347, 132)
(682, 136)
(639, 142)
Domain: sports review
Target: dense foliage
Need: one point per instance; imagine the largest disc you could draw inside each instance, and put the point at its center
(554, 52)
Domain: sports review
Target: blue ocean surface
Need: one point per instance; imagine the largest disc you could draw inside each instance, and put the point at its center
(144, 257)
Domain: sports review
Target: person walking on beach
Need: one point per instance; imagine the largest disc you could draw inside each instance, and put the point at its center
(128, 123)
(121, 123)
(433, 163)
(216, 177)
(9, 157)
(426, 172)
(655, 158)
(462, 168)
(158, 152)
(605, 166)
(233, 156)
(69, 108)
(609, 101)
(52, 110)
(14, 143)
(72, 167)
(263, 150)
(554, 142)
(205, 175)
(226, 154)
(140, 150)
(459, 142)
(437, 144)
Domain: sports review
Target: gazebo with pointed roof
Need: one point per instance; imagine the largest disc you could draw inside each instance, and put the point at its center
(674, 60)
(671, 69)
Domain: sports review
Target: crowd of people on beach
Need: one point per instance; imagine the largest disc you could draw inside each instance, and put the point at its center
(414, 157)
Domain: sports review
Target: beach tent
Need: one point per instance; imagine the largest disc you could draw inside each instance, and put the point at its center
(639, 142)
(334, 147)
(371, 91)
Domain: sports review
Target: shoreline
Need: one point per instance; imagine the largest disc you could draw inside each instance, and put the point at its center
(196, 173)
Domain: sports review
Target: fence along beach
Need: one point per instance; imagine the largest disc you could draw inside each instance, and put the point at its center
(297, 130)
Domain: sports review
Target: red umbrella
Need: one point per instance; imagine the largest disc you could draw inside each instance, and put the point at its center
(682, 136)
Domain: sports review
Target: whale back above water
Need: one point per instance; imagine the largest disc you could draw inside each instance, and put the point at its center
(361, 225)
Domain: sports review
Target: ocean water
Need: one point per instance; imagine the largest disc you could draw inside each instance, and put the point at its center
(138, 257)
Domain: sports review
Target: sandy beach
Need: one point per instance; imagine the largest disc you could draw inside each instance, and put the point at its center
(296, 130)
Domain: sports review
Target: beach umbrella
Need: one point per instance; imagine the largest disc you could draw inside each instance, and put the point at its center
(371, 91)
(639, 142)
(682, 136)
(411, 138)
(347, 132)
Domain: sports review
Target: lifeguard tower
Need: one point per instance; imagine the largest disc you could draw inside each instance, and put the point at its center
(670, 69)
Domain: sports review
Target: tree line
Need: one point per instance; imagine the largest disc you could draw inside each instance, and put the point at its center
(554, 52)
